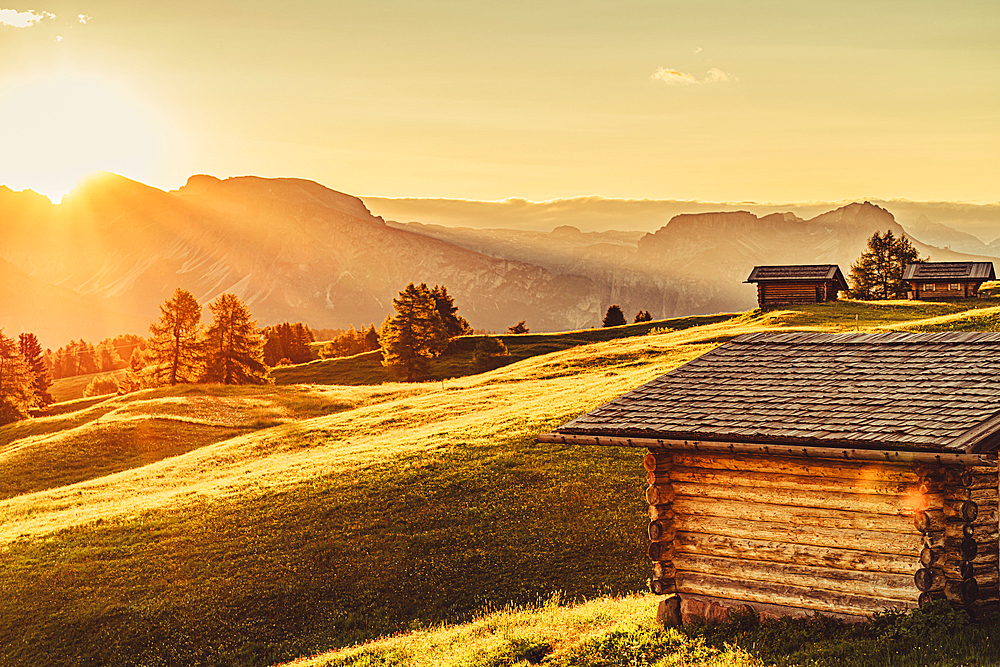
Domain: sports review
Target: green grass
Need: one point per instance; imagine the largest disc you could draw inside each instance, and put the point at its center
(71, 388)
(457, 361)
(206, 525)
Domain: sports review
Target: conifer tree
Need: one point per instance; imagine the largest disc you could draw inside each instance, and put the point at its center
(31, 352)
(234, 346)
(878, 273)
(175, 350)
(518, 328)
(415, 334)
(371, 338)
(454, 324)
(614, 317)
(17, 393)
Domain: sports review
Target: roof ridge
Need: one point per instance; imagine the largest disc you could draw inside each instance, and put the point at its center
(900, 337)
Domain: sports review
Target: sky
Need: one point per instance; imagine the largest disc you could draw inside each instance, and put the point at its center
(775, 101)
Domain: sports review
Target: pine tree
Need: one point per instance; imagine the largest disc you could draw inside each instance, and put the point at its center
(642, 316)
(17, 390)
(371, 339)
(518, 328)
(31, 352)
(614, 317)
(174, 350)
(234, 346)
(454, 324)
(878, 273)
(415, 334)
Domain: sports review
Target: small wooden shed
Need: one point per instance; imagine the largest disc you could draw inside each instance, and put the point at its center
(796, 284)
(929, 281)
(802, 472)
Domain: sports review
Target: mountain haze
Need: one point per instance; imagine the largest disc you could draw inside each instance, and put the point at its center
(103, 260)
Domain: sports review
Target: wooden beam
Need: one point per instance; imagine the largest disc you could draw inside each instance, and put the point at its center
(831, 452)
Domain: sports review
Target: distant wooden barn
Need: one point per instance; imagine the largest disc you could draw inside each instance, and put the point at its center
(796, 284)
(930, 281)
(798, 473)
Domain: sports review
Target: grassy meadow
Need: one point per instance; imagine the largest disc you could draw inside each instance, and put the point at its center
(207, 525)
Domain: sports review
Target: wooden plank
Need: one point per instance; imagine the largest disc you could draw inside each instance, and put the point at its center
(859, 472)
(841, 538)
(782, 480)
(855, 502)
(803, 516)
(789, 596)
(872, 584)
(767, 610)
(786, 552)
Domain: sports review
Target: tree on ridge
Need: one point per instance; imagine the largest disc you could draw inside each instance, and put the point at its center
(878, 272)
(415, 334)
(234, 346)
(174, 350)
(614, 317)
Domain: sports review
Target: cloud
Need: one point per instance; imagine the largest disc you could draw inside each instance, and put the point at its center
(715, 75)
(16, 19)
(83, 18)
(675, 77)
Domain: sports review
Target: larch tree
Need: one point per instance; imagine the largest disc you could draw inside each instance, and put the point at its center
(415, 334)
(234, 346)
(878, 273)
(31, 352)
(17, 387)
(174, 350)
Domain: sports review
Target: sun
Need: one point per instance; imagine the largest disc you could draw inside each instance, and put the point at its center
(54, 130)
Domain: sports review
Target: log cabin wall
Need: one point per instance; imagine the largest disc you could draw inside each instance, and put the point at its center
(793, 293)
(793, 535)
(930, 291)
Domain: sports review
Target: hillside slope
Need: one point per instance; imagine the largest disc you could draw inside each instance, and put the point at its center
(329, 515)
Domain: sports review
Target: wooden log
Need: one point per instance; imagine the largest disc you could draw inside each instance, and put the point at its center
(784, 552)
(968, 549)
(663, 586)
(660, 531)
(929, 596)
(966, 510)
(768, 610)
(962, 591)
(665, 570)
(932, 557)
(662, 551)
(982, 495)
(854, 502)
(879, 584)
(661, 512)
(935, 540)
(798, 516)
(660, 494)
(791, 596)
(858, 473)
(657, 461)
(977, 531)
(929, 520)
(782, 480)
(843, 538)
(954, 568)
(929, 579)
(658, 477)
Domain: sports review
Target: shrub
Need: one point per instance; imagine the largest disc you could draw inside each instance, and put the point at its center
(101, 385)
(489, 353)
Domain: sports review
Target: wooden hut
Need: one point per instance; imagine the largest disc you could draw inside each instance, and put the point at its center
(930, 281)
(800, 472)
(796, 284)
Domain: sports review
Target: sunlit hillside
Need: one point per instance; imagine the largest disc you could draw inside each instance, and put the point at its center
(247, 526)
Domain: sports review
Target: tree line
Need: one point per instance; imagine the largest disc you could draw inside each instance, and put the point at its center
(24, 377)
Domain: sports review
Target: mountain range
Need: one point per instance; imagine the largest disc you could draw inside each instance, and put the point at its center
(101, 262)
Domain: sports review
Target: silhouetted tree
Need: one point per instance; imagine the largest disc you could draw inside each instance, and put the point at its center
(878, 273)
(17, 388)
(518, 328)
(175, 348)
(642, 316)
(454, 324)
(614, 317)
(415, 334)
(234, 346)
(31, 352)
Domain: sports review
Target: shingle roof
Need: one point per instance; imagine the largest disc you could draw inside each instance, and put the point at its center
(797, 272)
(883, 391)
(949, 271)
